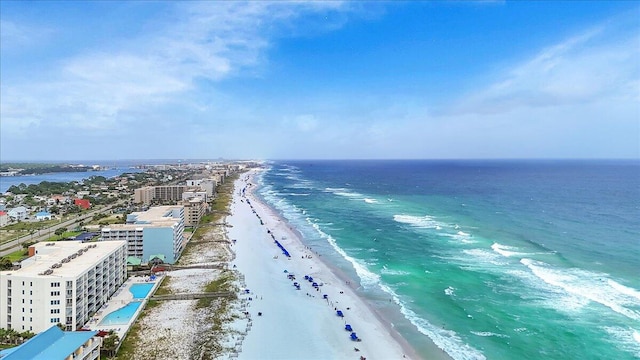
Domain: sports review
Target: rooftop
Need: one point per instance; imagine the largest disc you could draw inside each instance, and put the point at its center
(50, 344)
(159, 216)
(64, 258)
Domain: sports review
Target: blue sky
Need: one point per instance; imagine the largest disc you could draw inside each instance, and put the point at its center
(319, 80)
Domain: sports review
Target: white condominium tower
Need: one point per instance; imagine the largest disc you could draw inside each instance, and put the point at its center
(62, 282)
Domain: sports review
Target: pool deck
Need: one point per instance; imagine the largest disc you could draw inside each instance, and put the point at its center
(121, 298)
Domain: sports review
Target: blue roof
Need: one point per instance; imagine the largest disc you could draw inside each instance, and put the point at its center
(43, 213)
(50, 344)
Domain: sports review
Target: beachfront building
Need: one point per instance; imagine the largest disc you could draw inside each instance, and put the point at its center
(55, 344)
(190, 194)
(159, 230)
(194, 210)
(62, 282)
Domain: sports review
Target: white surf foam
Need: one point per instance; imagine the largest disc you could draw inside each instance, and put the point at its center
(449, 291)
(624, 289)
(588, 285)
(485, 257)
(343, 192)
(625, 339)
(506, 251)
(388, 271)
(447, 340)
(488, 333)
(422, 222)
(367, 277)
(370, 201)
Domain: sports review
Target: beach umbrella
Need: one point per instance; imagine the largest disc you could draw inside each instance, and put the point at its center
(348, 327)
(325, 296)
(339, 313)
(354, 336)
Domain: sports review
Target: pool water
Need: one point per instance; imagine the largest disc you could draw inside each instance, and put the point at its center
(140, 291)
(121, 316)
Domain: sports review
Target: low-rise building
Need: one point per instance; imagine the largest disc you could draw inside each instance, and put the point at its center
(18, 213)
(62, 282)
(83, 203)
(55, 344)
(43, 215)
(4, 218)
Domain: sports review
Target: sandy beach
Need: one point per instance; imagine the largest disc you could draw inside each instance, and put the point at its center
(296, 324)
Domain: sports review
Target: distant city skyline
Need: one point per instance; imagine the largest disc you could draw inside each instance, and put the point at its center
(319, 80)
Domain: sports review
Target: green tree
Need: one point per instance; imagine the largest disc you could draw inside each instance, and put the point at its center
(110, 344)
(60, 231)
(5, 263)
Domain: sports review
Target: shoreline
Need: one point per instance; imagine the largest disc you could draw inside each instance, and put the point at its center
(380, 338)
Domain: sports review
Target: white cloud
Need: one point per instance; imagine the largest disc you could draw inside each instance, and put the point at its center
(95, 89)
(587, 68)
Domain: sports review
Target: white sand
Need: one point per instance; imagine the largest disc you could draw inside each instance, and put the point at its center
(297, 324)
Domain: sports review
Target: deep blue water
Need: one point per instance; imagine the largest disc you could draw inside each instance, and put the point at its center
(489, 259)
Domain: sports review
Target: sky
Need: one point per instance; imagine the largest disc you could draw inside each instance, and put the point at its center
(110, 80)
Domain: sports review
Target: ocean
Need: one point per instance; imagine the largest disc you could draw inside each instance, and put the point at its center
(488, 259)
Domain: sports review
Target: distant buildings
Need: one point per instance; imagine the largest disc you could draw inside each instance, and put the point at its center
(144, 195)
(158, 230)
(62, 282)
(167, 193)
(18, 213)
(43, 215)
(83, 203)
(4, 218)
(55, 344)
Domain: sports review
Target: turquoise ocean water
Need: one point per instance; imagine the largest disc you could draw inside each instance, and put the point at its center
(489, 259)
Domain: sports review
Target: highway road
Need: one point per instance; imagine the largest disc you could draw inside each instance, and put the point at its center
(46, 233)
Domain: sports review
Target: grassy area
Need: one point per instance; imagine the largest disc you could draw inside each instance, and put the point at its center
(163, 289)
(127, 349)
(223, 283)
(6, 236)
(66, 234)
(36, 225)
(128, 345)
(18, 255)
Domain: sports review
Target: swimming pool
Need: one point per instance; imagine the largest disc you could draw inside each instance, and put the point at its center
(121, 316)
(140, 291)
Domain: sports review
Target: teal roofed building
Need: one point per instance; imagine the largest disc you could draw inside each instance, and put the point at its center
(133, 261)
(55, 344)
